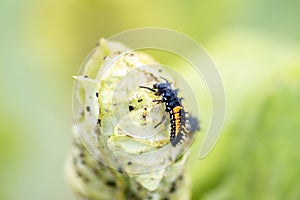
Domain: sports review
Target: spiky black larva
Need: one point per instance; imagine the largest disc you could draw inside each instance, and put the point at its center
(174, 108)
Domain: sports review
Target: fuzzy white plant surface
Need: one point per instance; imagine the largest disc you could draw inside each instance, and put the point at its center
(121, 137)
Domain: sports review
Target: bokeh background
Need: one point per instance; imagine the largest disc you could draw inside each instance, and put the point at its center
(254, 43)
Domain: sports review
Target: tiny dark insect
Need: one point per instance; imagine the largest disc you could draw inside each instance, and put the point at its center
(174, 108)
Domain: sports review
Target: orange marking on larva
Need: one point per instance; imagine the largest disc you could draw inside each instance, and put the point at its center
(177, 119)
(177, 109)
(177, 126)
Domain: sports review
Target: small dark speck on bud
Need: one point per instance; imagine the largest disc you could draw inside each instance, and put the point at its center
(120, 170)
(131, 108)
(111, 183)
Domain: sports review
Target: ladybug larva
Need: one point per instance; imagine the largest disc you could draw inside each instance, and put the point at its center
(176, 111)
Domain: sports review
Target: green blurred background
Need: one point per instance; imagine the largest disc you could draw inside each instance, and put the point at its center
(255, 45)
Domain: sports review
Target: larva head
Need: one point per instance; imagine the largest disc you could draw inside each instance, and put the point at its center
(162, 86)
